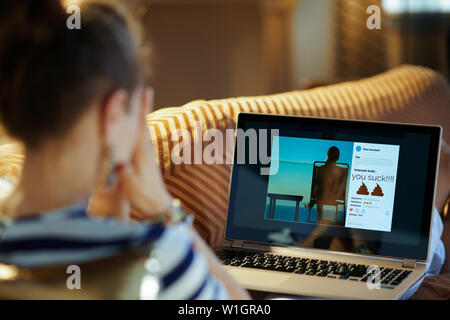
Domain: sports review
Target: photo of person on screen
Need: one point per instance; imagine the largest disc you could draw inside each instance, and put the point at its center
(328, 185)
(311, 184)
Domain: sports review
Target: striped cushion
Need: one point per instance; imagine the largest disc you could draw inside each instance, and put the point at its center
(404, 94)
(11, 159)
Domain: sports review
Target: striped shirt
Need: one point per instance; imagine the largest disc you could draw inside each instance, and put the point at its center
(70, 236)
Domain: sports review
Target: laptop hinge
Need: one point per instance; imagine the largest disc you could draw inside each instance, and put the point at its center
(237, 243)
(409, 263)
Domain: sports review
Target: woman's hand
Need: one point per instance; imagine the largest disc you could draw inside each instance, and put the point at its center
(140, 181)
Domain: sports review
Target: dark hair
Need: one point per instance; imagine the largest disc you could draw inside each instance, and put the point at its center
(333, 154)
(49, 75)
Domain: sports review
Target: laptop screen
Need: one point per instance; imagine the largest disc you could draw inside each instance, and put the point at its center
(352, 186)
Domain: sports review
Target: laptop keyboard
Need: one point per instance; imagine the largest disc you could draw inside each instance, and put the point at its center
(312, 267)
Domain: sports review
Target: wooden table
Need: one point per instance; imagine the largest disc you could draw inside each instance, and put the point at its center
(276, 196)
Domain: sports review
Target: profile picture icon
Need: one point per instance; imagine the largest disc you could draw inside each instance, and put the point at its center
(358, 148)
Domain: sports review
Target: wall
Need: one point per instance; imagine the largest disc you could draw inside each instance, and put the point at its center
(313, 40)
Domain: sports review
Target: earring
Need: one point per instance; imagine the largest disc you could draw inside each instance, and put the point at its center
(110, 165)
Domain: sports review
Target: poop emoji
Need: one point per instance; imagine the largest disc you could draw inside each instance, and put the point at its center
(377, 191)
(363, 190)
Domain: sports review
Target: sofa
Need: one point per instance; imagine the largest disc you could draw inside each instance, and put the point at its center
(405, 94)
(408, 93)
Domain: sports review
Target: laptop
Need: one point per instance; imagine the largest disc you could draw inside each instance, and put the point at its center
(330, 208)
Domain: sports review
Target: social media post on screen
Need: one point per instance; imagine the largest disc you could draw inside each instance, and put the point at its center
(342, 183)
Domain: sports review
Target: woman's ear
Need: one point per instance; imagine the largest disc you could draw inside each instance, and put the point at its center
(112, 114)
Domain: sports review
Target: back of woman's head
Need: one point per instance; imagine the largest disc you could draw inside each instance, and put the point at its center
(50, 75)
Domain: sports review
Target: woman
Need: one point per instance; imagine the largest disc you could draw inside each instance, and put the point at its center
(76, 99)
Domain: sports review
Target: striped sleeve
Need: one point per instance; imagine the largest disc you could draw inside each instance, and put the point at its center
(182, 272)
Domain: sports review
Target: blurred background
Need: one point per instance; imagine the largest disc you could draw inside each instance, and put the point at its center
(207, 49)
